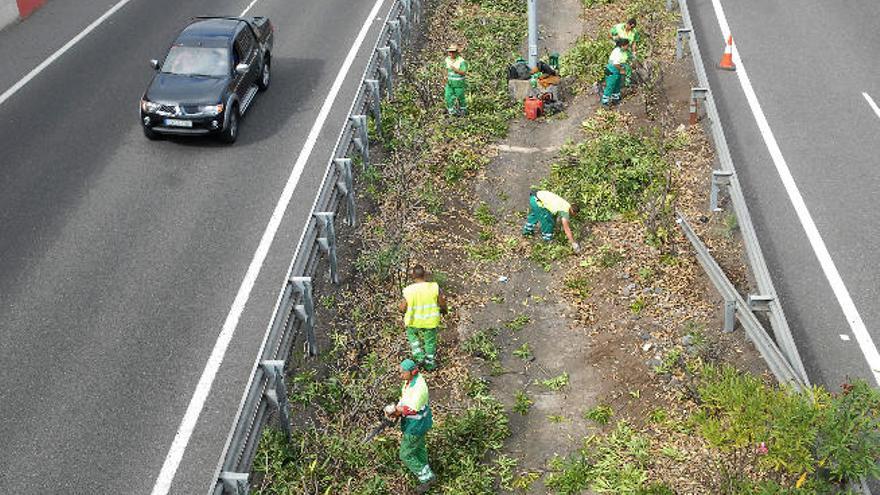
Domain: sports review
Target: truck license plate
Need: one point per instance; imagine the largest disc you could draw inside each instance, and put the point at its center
(178, 123)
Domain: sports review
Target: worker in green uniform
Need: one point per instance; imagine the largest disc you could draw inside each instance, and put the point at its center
(544, 208)
(456, 81)
(422, 304)
(414, 412)
(614, 72)
(627, 30)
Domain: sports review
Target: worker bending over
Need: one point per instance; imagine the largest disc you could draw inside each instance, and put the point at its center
(545, 208)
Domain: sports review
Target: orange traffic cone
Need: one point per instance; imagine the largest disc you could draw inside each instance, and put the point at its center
(727, 58)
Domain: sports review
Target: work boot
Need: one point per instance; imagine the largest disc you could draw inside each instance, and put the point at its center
(424, 487)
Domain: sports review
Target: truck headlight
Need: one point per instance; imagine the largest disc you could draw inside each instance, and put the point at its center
(211, 109)
(149, 107)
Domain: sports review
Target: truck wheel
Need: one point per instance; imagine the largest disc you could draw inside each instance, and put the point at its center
(230, 133)
(265, 75)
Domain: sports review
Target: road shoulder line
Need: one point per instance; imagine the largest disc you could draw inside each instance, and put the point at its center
(841, 293)
(193, 411)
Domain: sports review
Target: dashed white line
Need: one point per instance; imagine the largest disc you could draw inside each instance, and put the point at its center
(872, 104)
(61, 51)
(190, 418)
(866, 343)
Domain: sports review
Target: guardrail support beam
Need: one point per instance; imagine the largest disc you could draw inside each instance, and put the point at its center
(386, 70)
(375, 103)
(729, 315)
(682, 35)
(758, 302)
(276, 392)
(234, 483)
(395, 44)
(719, 178)
(327, 242)
(346, 185)
(696, 94)
(306, 311)
(362, 137)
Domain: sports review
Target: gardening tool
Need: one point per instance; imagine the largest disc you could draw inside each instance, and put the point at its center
(385, 422)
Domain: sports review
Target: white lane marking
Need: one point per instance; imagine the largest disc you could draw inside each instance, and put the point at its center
(61, 51)
(187, 425)
(844, 337)
(866, 343)
(873, 105)
(245, 11)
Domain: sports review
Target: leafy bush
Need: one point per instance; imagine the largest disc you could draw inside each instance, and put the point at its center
(585, 61)
(836, 435)
(609, 174)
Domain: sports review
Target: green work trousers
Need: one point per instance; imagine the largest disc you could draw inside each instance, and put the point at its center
(419, 337)
(539, 214)
(414, 455)
(613, 81)
(456, 96)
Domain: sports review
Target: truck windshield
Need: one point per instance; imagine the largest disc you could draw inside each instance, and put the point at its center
(197, 61)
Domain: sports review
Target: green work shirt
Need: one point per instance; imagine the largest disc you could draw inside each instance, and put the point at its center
(457, 63)
(417, 419)
(554, 204)
(620, 31)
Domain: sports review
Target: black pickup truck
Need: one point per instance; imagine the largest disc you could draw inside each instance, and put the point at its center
(209, 77)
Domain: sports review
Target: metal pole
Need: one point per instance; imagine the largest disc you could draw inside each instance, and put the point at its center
(533, 33)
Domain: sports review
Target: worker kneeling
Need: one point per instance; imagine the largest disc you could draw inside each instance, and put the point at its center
(544, 208)
(414, 412)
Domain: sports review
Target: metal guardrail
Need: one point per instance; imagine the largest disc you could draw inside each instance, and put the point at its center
(734, 304)
(727, 177)
(767, 298)
(294, 310)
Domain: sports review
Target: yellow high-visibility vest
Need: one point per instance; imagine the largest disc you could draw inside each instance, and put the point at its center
(553, 202)
(422, 308)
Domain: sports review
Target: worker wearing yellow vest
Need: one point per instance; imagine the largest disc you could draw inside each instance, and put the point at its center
(423, 303)
(627, 30)
(544, 208)
(456, 81)
(614, 72)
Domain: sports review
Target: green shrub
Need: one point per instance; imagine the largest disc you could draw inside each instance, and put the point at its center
(609, 174)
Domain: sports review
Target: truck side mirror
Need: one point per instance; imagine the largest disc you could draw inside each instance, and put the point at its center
(242, 68)
(154, 64)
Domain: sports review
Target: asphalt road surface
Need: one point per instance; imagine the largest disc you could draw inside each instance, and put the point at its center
(809, 63)
(120, 257)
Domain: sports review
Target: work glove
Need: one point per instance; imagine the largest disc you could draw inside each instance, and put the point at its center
(576, 247)
(389, 410)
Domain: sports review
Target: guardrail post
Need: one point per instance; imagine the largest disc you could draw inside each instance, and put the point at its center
(362, 137)
(719, 178)
(346, 185)
(375, 102)
(680, 37)
(234, 483)
(668, 5)
(696, 94)
(328, 241)
(276, 392)
(417, 11)
(394, 43)
(404, 25)
(386, 70)
(729, 315)
(306, 311)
